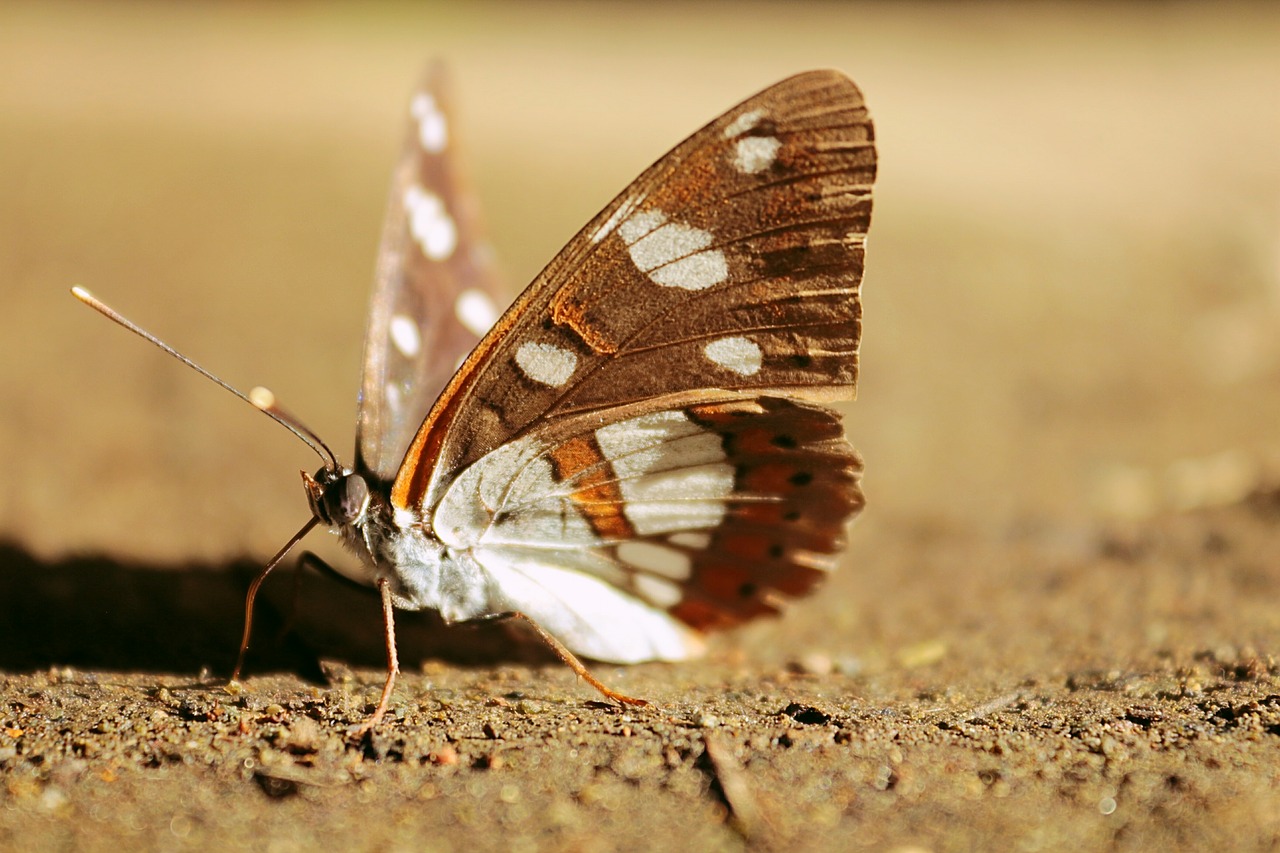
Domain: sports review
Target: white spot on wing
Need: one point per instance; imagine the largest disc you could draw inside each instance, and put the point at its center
(691, 539)
(545, 363)
(475, 311)
(695, 272)
(637, 445)
(743, 123)
(671, 472)
(433, 133)
(430, 223)
(404, 335)
(754, 154)
(687, 499)
(662, 593)
(739, 354)
(656, 559)
(624, 210)
(673, 254)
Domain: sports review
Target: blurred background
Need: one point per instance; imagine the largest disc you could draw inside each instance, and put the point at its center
(1073, 289)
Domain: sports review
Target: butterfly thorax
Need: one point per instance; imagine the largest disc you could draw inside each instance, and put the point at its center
(394, 545)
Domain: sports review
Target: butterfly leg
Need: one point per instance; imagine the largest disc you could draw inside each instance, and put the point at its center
(306, 560)
(571, 660)
(393, 661)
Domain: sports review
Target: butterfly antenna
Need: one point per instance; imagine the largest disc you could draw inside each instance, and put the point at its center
(265, 400)
(260, 398)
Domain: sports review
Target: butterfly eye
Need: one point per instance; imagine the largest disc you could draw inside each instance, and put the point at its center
(336, 498)
(345, 499)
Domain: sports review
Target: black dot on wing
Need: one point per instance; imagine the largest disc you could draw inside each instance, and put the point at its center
(776, 551)
(802, 360)
(791, 515)
(801, 478)
(786, 442)
(747, 590)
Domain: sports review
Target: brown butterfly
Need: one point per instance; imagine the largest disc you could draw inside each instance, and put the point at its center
(636, 451)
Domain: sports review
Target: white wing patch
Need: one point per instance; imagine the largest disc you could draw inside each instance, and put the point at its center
(624, 210)
(673, 254)
(736, 353)
(698, 541)
(659, 592)
(657, 559)
(754, 154)
(589, 615)
(430, 223)
(672, 472)
(433, 131)
(475, 311)
(743, 123)
(405, 336)
(545, 363)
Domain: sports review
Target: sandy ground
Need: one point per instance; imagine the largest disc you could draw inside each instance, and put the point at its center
(1055, 626)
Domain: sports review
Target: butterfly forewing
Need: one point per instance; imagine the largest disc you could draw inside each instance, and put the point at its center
(729, 269)
(436, 289)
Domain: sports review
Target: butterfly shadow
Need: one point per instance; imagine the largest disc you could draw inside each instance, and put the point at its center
(101, 613)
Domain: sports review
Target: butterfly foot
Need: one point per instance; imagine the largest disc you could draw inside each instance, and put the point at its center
(359, 732)
(624, 701)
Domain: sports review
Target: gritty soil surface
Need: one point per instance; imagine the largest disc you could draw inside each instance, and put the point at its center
(1101, 719)
(1055, 626)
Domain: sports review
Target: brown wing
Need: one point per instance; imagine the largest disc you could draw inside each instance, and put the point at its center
(729, 269)
(436, 289)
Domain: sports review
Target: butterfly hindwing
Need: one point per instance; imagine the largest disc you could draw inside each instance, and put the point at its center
(436, 288)
(703, 515)
(729, 268)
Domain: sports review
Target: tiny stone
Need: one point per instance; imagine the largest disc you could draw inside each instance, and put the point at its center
(52, 799)
(813, 663)
(848, 665)
(445, 756)
(303, 735)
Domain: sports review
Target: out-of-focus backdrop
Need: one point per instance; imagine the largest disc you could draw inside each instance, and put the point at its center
(1072, 298)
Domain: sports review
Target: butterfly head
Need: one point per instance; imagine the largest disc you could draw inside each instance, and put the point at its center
(338, 498)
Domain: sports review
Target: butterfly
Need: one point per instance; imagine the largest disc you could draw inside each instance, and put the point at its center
(639, 449)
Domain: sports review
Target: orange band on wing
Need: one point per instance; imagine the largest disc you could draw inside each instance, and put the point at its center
(599, 498)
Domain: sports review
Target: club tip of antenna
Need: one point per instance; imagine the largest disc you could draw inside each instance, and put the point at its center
(263, 398)
(83, 295)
